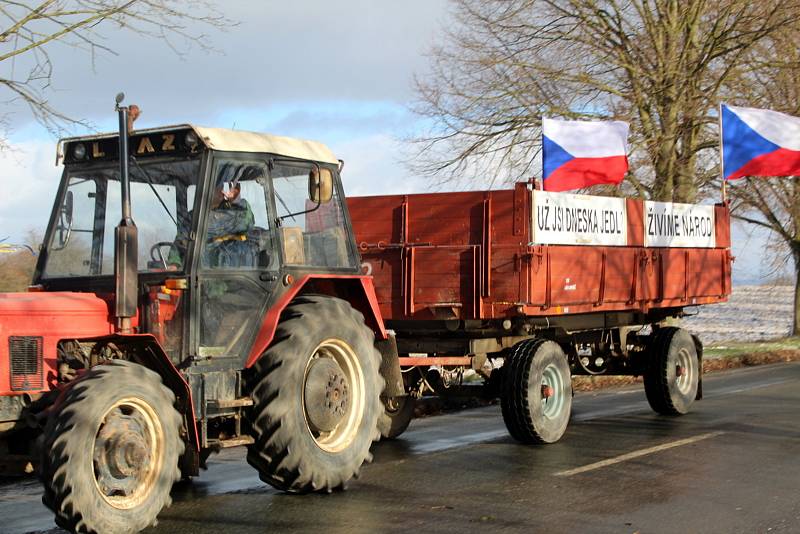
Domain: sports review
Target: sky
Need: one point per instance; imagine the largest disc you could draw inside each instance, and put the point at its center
(337, 72)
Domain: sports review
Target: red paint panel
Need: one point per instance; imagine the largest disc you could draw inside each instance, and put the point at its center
(635, 215)
(722, 220)
(705, 276)
(619, 274)
(674, 269)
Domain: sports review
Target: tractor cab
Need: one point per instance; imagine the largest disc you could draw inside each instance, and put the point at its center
(225, 220)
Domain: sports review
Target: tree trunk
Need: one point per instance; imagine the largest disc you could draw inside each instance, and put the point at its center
(796, 320)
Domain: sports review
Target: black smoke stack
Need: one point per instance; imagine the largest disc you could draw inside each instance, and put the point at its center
(126, 251)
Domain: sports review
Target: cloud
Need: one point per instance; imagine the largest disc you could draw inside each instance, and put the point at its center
(27, 189)
(372, 167)
(281, 52)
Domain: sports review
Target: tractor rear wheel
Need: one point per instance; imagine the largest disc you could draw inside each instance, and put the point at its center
(316, 393)
(536, 393)
(111, 450)
(673, 371)
(397, 415)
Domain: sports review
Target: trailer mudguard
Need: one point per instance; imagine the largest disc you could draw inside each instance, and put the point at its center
(358, 290)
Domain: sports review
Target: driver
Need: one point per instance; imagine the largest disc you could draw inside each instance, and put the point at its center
(230, 221)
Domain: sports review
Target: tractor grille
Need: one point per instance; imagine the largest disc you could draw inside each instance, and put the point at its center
(26, 362)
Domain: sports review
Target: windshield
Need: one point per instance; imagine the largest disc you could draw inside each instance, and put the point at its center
(82, 240)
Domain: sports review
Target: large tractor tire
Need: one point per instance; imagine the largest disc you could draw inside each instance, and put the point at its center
(673, 371)
(536, 392)
(397, 415)
(111, 449)
(316, 393)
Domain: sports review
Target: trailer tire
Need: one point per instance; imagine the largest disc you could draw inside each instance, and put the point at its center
(122, 414)
(536, 392)
(316, 394)
(672, 374)
(397, 415)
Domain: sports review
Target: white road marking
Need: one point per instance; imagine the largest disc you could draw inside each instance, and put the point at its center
(637, 454)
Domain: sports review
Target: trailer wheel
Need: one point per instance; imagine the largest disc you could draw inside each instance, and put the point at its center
(397, 415)
(316, 393)
(111, 449)
(673, 372)
(536, 392)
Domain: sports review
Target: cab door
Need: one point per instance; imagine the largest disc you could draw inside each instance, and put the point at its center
(236, 260)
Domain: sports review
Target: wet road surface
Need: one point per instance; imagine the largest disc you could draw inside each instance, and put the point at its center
(732, 465)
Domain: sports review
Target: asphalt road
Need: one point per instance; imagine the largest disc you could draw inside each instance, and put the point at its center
(732, 465)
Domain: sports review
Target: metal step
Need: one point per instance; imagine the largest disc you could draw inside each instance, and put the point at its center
(230, 403)
(232, 442)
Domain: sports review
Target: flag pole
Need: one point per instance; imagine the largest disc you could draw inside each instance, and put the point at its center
(722, 158)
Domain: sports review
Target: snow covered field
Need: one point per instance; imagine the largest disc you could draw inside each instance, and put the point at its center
(753, 313)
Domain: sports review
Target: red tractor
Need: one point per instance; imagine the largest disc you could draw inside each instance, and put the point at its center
(233, 312)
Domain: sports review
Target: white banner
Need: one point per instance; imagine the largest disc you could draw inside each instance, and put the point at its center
(567, 219)
(667, 224)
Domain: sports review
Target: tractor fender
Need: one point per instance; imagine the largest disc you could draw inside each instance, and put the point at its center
(358, 290)
(145, 350)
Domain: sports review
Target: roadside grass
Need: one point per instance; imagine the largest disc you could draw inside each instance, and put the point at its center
(733, 349)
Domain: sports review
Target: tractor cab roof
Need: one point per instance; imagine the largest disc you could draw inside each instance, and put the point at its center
(178, 139)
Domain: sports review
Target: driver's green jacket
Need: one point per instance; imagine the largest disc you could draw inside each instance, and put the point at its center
(229, 242)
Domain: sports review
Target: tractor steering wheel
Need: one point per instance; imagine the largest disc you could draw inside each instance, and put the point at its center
(157, 256)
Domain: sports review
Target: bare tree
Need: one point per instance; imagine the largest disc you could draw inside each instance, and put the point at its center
(662, 65)
(17, 262)
(774, 203)
(30, 29)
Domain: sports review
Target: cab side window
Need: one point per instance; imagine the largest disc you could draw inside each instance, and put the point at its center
(313, 234)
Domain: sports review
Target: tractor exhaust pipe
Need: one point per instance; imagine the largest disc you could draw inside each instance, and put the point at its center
(126, 251)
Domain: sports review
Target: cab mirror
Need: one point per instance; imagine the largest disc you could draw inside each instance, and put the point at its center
(320, 185)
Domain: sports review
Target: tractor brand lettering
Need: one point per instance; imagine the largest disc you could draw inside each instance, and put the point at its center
(145, 146)
(141, 145)
(560, 218)
(669, 224)
(96, 152)
(169, 142)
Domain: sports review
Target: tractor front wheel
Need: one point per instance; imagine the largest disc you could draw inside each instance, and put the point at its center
(111, 449)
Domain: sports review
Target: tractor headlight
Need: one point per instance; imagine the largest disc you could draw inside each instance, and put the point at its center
(191, 140)
(79, 151)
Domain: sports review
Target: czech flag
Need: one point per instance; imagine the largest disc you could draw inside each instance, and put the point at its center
(759, 142)
(578, 154)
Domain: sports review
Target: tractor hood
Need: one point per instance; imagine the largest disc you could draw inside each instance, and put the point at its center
(68, 314)
(32, 324)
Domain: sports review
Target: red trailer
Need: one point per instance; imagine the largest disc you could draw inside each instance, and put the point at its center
(552, 284)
